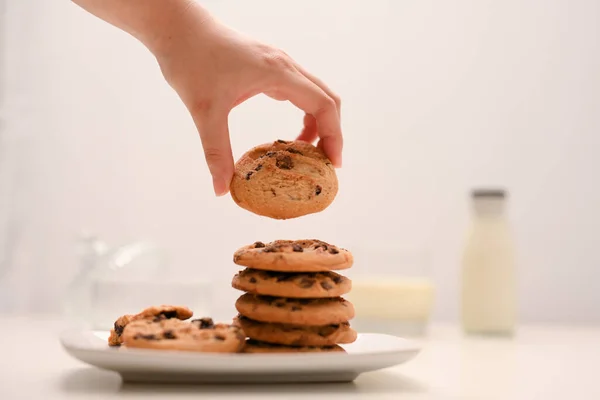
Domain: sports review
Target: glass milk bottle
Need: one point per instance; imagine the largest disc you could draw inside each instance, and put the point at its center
(488, 268)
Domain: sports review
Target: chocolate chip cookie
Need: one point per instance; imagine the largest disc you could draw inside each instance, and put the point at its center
(173, 334)
(295, 311)
(290, 284)
(254, 346)
(152, 313)
(284, 180)
(309, 255)
(297, 335)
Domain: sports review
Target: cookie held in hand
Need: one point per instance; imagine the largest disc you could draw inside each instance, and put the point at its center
(284, 180)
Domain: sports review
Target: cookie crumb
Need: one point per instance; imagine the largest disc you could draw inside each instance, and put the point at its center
(258, 245)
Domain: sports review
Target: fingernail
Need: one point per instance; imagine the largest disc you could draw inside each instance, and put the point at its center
(220, 186)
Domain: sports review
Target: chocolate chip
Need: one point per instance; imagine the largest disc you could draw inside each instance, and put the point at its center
(270, 154)
(306, 283)
(219, 337)
(284, 162)
(169, 314)
(169, 334)
(318, 190)
(336, 279)
(293, 151)
(204, 323)
(333, 250)
(296, 308)
(248, 175)
(279, 304)
(258, 245)
(284, 277)
(297, 248)
(252, 279)
(282, 141)
(328, 330)
(304, 301)
(119, 329)
(145, 337)
(326, 285)
(321, 246)
(273, 191)
(258, 167)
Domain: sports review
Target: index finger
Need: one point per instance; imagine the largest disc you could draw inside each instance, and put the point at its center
(310, 98)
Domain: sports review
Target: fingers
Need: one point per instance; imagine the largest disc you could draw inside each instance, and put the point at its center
(323, 86)
(309, 132)
(212, 124)
(308, 96)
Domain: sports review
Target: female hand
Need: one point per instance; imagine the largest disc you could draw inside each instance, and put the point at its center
(213, 69)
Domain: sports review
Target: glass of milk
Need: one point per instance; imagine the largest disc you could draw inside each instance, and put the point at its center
(392, 291)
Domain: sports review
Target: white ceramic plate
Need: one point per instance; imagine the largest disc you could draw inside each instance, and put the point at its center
(370, 352)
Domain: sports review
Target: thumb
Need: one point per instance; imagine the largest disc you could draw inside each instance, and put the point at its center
(214, 133)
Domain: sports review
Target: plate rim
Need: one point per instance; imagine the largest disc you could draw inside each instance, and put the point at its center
(409, 346)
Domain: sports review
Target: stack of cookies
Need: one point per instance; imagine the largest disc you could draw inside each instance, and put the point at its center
(293, 298)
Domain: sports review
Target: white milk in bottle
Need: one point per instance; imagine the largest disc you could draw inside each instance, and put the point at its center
(488, 302)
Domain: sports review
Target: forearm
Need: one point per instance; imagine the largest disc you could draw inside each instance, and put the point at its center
(155, 23)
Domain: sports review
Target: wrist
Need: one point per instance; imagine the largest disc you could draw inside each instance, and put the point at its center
(177, 25)
(158, 24)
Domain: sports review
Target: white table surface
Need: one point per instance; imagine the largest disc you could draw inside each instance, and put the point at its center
(539, 363)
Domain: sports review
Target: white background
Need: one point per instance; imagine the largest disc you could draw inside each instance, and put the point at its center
(438, 97)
